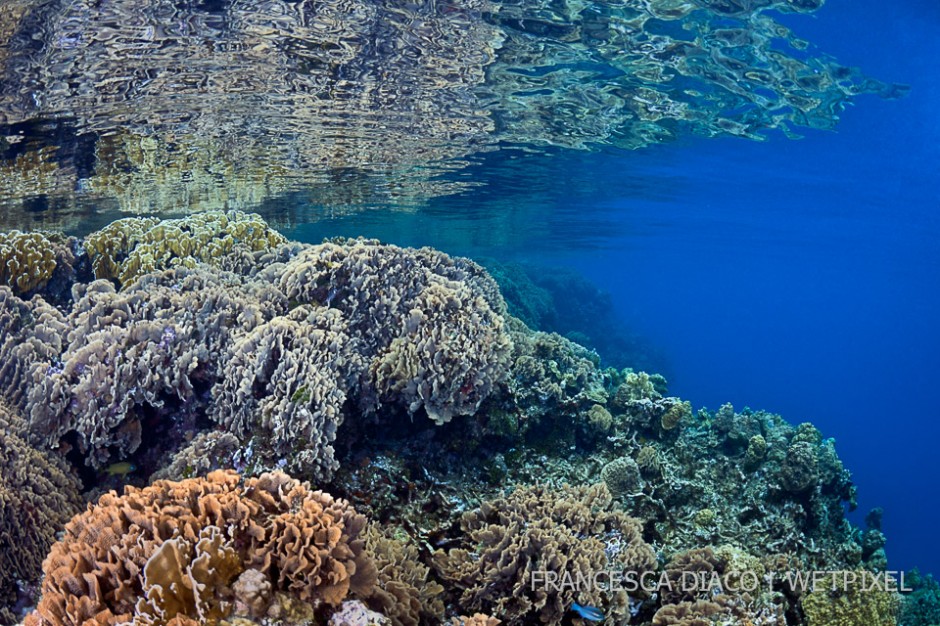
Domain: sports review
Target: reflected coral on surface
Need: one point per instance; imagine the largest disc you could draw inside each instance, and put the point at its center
(187, 109)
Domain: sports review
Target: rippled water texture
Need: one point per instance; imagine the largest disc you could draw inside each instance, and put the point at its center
(150, 106)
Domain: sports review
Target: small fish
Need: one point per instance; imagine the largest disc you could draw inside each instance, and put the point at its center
(121, 469)
(590, 613)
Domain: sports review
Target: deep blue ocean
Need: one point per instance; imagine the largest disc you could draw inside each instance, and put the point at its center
(800, 277)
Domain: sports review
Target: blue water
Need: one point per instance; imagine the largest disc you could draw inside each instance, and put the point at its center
(799, 277)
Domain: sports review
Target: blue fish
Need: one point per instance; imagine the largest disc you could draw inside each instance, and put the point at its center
(590, 613)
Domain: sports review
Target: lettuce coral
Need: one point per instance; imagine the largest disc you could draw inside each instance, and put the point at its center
(852, 604)
(277, 352)
(449, 356)
(286, 382)
(136, 353)
(403, 591)
(430, 325)
(129, 248)
(38, 262)
(568, 532)
(721, 610)
(32, 332)
(170, 551)
(37, 496)
(27, 260)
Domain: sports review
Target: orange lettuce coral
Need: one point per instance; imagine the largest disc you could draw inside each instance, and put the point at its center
(171, 552)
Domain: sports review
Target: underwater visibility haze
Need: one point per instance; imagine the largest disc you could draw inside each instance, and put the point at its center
(378, 312)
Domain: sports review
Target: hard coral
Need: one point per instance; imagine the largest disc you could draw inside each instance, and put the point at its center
(721, 610)
(286, 382)
(37, 496)
(27, 260)
(853, 603)
(553, 377)
(696, 492)
(138, 354)
(170, 551)
(129, 248)
(278, 346)
(402, 592)
(430, 326)
(451, 352)
(571, 532)
(622, 477)
(31, 332)
(189, 577)
(799, 470)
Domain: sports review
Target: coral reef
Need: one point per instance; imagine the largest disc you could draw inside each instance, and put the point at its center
(37, 496)
(141, 356)
(172, 551)
(920, 607)
(551, 378)
(210, 344)
(570, 532)
(300, 330)
(31, 332)
(689, 503)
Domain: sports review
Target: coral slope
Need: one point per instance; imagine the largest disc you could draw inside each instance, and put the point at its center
(482, 451)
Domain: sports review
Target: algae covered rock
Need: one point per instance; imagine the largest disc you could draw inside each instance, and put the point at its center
(799, 471)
